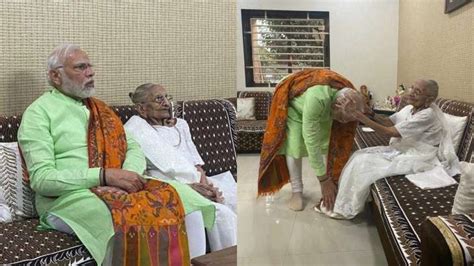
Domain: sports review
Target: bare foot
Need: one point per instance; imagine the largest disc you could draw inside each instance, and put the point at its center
(296, 202)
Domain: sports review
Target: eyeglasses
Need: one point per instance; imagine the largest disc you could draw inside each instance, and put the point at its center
(416, 91)
(79, 67)
(160, 99)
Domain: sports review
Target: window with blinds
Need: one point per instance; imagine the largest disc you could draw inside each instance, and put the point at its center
(277, 43)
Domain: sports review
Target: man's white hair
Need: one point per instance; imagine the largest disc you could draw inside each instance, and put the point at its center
(58, 57)
(356, 97)
(344, 92)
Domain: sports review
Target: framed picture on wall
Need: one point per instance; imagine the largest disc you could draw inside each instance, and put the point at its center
(452, 5)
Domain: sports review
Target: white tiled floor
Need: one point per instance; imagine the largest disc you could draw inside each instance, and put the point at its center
(271, 234)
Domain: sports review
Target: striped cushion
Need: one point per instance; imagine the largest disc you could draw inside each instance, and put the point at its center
(17, 193)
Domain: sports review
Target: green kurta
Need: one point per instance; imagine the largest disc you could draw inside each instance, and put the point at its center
(309, 126)
(53, 139)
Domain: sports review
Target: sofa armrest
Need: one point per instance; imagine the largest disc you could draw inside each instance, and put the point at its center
(448, 240)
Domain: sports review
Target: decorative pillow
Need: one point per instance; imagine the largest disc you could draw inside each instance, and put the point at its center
(245, 108)
(464, 198)
(18, 195)
(457, 124)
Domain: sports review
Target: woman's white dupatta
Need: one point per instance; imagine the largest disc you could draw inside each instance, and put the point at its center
(446, 153)
(160, 153)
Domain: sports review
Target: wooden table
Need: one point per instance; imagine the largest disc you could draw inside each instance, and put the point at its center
(227, 257)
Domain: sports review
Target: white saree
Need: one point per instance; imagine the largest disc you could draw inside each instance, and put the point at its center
(424, 145)
(171, 156)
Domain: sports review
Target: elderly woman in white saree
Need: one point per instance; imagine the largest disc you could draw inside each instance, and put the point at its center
(420, 148)
(172, 157)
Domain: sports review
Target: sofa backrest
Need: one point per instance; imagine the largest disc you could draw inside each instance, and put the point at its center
(9, 127)
(212, 125)
(263, 100)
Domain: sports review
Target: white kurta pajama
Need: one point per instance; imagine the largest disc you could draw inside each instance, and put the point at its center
(418, 150)
(172, 156)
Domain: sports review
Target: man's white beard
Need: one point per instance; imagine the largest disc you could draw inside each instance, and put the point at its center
(76, 90)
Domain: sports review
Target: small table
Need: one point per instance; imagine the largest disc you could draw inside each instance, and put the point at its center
(227, 257)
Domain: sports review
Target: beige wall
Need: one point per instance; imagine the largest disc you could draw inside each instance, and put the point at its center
(186, 45)
(437, 46)
(363, 39)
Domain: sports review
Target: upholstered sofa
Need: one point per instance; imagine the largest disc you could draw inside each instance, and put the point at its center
(415, 225)
(250, 132)
(212, 125)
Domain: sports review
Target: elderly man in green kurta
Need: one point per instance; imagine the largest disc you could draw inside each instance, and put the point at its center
(63, 154)
(313, 99)
(52, 137)
(308, 128)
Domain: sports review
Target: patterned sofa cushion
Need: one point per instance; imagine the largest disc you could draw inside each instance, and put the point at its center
(250, 135)
(250, 142)
(22, 244)
(369, 139)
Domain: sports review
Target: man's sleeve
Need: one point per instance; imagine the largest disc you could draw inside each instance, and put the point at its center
(134, 159)
(312, 111)
(37, 146)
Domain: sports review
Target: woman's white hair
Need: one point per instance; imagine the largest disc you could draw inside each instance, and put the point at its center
(58, 57)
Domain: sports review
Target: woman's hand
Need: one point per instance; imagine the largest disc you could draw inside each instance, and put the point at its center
(208, 191)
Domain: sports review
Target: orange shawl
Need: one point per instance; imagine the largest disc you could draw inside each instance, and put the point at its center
(149, 224)
(273, 172)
